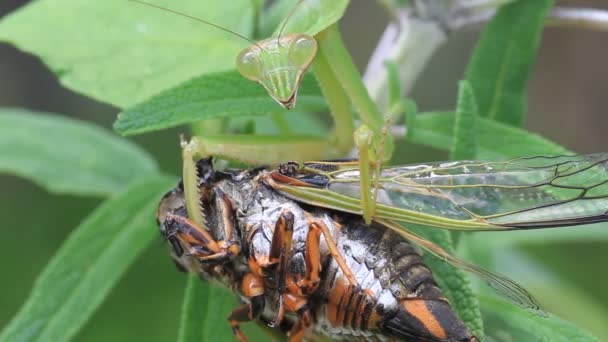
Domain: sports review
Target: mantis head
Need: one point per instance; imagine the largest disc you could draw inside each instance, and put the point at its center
(278, 64)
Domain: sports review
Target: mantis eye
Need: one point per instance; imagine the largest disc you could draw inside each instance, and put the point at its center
(249, 65)
(302, 50)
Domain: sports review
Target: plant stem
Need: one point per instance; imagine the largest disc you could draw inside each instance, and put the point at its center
(585, 18)
(409, 43)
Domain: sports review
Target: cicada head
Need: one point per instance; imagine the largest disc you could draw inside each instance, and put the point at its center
(204, 245)
(173, 204)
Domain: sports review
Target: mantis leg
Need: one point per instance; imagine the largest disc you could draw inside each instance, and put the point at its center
(370, 167)
(336, 72)
(246, 148)
(363, 141)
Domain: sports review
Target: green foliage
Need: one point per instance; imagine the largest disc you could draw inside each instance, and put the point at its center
(465, 125)
(194, 309)
(204, 305)
(499, 68)
(211, 96)
(137, 51)
(310, 17)
(168, 71)
(314, 16)
(505, 322)
(495, 141)
(87, 266)
(274, 16)
(67, 156)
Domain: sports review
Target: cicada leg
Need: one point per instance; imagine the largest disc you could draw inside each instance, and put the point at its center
(230, 245)
(280, 252)
(318, 228)
(313, 262)
(201, 244)
(252, 287)
(298, 304)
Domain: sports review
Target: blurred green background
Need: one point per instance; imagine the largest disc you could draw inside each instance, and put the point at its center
(567, 104)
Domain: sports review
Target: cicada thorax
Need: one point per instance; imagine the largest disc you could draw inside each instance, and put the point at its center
(307, 270)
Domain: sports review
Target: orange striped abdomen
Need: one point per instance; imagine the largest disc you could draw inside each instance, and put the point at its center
(398, 298)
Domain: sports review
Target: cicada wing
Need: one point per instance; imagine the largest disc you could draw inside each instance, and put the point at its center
(522, 193)
(501, 284)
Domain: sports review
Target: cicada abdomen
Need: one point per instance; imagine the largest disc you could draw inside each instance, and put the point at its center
(405, 301)
(305, 270)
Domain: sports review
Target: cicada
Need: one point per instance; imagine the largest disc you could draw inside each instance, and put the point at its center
(292, 243)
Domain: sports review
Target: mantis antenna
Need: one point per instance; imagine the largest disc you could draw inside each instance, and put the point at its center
(195, 18)
(278, 64)
(293, 10)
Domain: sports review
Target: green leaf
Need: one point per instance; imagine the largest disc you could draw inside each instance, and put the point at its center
(496, 141)
(121, 52)
(453, 282)
(68, 156)
(205, 314)
(552, 283)
(465, 128)
(578, 304)
(394, 85)
(506, 322)
(314, 16)
(88, 264)
(220, 302)
(274, 16)
(501, 63)
(225, 94)
(194, 311)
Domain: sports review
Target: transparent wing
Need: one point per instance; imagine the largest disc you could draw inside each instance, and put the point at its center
(503, 285)
(521, 193)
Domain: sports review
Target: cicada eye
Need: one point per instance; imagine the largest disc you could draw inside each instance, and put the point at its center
(302, 50)
(177, 247)
(249, 65)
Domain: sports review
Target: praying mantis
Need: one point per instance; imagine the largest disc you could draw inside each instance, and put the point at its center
(278, 64)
